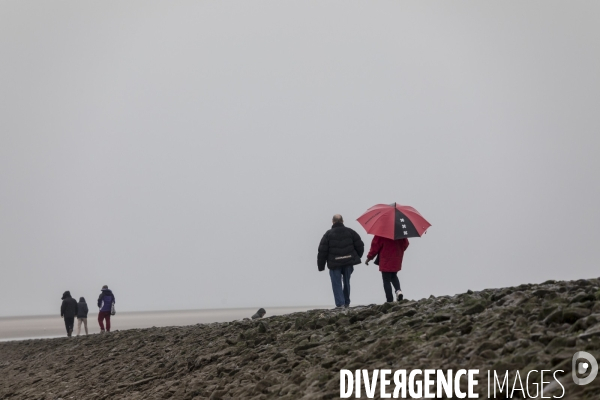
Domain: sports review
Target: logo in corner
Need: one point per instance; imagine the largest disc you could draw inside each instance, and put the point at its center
(582, 367)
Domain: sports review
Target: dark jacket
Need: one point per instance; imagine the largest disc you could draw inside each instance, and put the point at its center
(390, 253)
(82, 308)
(106, 299)
(68, 309)
(339, 247)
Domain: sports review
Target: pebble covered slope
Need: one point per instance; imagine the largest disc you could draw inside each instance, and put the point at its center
(298, 356)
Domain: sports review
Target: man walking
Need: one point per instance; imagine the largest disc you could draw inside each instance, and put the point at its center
(105, 302)
(341, 248)
(68, 311)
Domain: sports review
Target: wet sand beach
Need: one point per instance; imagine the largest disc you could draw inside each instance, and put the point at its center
(50, 326)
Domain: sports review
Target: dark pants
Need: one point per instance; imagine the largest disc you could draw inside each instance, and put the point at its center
(104, 315)
(389, 279)
(341, 293)
(69, 322)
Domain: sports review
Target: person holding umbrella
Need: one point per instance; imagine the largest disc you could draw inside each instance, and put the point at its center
(390, 253)
(392, 225)
(340, 249)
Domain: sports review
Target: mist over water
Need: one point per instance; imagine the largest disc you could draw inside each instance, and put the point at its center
(190, 155)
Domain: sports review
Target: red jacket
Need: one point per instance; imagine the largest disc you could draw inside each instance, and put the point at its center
(390, 253)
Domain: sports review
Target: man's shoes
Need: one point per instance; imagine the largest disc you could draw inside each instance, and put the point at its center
(339, 307)
(399, 295)
(346, 305)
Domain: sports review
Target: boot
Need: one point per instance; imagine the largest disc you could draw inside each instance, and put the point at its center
(69, 332)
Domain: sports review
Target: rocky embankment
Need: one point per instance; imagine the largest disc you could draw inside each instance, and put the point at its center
(528, 327)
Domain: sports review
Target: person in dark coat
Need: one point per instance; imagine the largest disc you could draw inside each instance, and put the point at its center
(68, 311)
(340, 249)
(82, 312)
(391, 253)
(105, 303)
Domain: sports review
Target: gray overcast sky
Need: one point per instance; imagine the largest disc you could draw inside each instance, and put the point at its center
(191, 154)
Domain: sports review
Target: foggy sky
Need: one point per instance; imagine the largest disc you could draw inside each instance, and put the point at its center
(192, 154)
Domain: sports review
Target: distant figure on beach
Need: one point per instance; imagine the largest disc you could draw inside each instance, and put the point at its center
(68, 311)
(390, 253)
(82, 312)
(105, 303)
(340, 249)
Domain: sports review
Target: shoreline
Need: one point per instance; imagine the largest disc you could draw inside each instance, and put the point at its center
(52, 326)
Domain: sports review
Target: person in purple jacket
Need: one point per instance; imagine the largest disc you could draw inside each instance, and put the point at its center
(105, 302)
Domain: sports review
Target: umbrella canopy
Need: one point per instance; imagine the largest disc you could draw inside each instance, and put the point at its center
(393, 221)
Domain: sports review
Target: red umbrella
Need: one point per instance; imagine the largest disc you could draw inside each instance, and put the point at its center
(393, 221)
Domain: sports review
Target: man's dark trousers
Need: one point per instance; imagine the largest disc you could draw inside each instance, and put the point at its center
(341, 294)
(69, 321)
